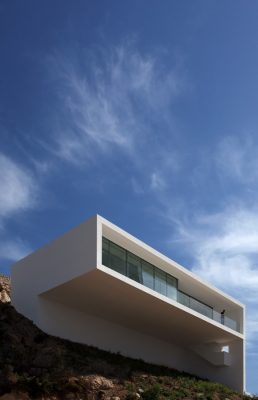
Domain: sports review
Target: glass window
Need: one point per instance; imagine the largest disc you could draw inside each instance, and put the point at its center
(117, 258)
(171, 287)
(147, 275)
(105, 252)
(201, 308)
(231, 323)
(216, 316)
(160, 282)
(126, 263)
(183, 298)
(133, 267)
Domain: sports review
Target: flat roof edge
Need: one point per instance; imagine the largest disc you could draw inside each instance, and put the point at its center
(147, 247)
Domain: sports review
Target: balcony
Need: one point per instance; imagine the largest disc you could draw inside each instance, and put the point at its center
(206, 310)
(132, 266)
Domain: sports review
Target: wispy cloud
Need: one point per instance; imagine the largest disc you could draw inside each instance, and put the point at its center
(13, 250)
(157, 181)
(18, 188)
(157, 172)
(111, 103)
(18, 193)
(237, 158)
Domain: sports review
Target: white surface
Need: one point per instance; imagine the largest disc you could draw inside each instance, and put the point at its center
(64, 288)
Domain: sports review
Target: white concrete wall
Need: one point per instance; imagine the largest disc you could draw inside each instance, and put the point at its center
(78, 252)
(59, 320)
(233, 376)
(62, 260)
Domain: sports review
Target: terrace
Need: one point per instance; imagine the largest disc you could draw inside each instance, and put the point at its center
(141, 271)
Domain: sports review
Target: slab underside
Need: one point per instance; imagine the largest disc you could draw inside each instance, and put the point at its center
(100, 294)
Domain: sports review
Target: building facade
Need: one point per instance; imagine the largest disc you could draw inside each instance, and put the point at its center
(101, 286)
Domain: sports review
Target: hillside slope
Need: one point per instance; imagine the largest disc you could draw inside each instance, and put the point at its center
(34, 365)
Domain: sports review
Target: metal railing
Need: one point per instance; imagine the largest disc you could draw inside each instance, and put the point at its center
(224, 320)
(171, 291)
(206, 310)
(194, 304)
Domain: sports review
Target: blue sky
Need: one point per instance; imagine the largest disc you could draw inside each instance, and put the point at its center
(144, 112)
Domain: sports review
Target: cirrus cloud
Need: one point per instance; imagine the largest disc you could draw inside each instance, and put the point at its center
(111, 103)
(18, 187)
(18, 193)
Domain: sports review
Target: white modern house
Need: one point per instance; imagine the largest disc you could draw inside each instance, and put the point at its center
(101, 286)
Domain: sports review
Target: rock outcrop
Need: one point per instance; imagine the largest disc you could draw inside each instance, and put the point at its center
(5, 289)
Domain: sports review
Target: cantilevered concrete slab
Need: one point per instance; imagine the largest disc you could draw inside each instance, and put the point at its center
(68, 292)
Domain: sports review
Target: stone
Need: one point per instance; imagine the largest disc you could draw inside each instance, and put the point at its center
(99, 382)
(4, 297)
